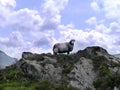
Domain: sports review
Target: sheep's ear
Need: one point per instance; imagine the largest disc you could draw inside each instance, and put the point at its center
(73, 39)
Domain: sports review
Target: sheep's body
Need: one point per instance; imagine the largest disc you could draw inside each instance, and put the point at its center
(63, 47)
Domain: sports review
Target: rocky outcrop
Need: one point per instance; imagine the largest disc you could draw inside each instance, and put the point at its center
(89, 52)
(82, 75)
(40, 66)
(87, 69)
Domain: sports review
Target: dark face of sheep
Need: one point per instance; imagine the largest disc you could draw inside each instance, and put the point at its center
(72, 42)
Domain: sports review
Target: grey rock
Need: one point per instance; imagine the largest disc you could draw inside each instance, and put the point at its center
(52, 73)
(27, 55)
(44, 70)
(115, 70)
(116, 88)
(114, 66)
(77, 69)
(49, 60)
(97, 51)
(89, 52)
(82, 75)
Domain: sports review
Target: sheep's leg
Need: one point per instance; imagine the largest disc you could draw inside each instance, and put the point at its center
(68, 53)
(55, 53)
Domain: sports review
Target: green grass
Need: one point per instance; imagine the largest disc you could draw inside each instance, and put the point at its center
(44, 85)
(15, 85)
(15, 79)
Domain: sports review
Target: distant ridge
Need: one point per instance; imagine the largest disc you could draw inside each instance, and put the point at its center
(5, 60)
(117, 55)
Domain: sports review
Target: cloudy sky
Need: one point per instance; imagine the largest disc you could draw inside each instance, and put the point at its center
(35, 25)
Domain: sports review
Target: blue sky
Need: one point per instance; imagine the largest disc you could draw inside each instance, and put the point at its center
(77, 12)
(36, 25)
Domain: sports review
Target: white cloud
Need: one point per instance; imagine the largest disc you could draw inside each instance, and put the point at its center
(102, 28)
(29, 27)
(26, 19)
(98, 25)
(15, 40)
(8, 3)
(100, 35)
(36, 31)
(111, 10)
(12, 44)
(51, 10)
(95, 6)
(92, 21)
(53, 7)
(6, 6)
(115, 28)
(110, 7)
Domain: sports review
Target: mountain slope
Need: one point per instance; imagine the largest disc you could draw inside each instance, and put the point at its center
(117, 55)
(90, 69)
(5, 60)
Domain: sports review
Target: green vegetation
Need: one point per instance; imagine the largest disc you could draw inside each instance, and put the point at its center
(105, 80)
(66, 62)
(15, 79)
(17, 85)
(67, 67)
(88, 88)
(31, 85)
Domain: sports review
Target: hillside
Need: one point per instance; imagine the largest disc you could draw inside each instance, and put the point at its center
(117, 55)
(5, 60)
(90, 69)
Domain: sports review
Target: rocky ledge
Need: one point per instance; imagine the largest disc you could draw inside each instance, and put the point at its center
(90, 69)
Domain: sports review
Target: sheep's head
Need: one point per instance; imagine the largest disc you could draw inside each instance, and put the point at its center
(72, 41)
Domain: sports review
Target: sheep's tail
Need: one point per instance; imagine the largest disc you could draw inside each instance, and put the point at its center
(54, 47)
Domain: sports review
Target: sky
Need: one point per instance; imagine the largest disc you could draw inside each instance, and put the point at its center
(36, 25)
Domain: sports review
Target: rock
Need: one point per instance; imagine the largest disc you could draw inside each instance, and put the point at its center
(97, 51)
(82, 75)
(80, 70)
(27, 55)
(116, 88)
(92, 51)
(52, 72)
(44, 70)
(115, 70)
(49, 60)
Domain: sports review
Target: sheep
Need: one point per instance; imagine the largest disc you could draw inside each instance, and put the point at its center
(66, 47)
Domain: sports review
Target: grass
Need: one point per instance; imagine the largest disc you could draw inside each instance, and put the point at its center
(15, 79)
(16, 85)
(45, 85)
